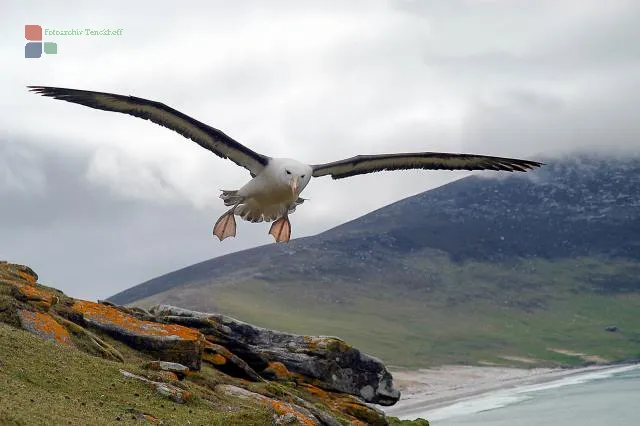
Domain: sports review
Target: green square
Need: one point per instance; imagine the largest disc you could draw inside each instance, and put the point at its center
(50, 48)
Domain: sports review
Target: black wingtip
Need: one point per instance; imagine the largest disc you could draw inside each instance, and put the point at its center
(42, 90)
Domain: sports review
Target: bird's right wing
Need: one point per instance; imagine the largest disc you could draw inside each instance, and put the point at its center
(363, 164)
(205, 136)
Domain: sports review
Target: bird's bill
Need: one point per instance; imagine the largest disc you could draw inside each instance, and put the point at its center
(294, 185)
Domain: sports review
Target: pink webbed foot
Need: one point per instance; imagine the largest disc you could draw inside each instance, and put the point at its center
(281, 230)
(225, 226)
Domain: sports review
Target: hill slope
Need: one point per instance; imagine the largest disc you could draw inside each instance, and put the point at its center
(69, 361)
(519, 268)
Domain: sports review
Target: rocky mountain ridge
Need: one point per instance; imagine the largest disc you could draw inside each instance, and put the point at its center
(576, 206)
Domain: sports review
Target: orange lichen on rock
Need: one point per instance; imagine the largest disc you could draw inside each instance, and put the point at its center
(215, 359)
(25, 275)
(23, 280)
(358, 412)
(282, 408)
(227, 362)
(13, 272)
(312, 342)
(104, 314)
(326, 343)
(279, 370)
(45, 326)
(166, 376)
(31, 293)
(167, 342)
(356, 409)
(316, 391)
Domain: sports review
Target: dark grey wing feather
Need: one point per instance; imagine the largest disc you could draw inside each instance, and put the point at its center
(363, 164)
(206, 136)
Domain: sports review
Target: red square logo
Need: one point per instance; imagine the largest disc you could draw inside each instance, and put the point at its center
(33, 32)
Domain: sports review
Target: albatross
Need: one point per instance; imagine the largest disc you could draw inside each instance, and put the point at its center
(276, 183)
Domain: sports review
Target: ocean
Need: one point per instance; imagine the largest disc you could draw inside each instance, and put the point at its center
(609, 397)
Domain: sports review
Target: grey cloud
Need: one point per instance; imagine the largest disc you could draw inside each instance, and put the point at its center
(602, 119)
(542, 39)
(125, 200)
(89, 241)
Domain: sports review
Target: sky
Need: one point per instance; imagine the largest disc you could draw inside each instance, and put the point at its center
(97, 202)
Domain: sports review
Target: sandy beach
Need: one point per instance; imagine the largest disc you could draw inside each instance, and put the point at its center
(428, 389)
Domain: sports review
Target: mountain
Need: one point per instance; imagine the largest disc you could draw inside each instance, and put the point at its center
(493, 268)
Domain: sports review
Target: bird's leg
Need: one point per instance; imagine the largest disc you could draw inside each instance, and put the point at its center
(226, 224)
(281, 229)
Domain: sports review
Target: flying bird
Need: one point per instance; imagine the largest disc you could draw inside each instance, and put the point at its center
(274, 190)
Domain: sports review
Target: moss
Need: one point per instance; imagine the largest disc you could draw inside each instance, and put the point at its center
(9, 309)
(337, 345)
(55, 384)
(91, 343)
(276, 389)
(394, 421)
(362, 412)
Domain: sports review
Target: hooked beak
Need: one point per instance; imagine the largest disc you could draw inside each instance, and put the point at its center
(294, 185)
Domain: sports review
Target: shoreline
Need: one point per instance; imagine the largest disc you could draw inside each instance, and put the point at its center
(430, 389)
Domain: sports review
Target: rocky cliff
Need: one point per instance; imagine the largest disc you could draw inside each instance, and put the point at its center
(189, 358)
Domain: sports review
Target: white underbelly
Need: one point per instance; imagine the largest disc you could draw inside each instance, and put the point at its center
(260, 205)
(267, 195)
(281, 196)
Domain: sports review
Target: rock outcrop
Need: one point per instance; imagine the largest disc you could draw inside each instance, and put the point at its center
(169, 342)
(327, 362)
(309, 380)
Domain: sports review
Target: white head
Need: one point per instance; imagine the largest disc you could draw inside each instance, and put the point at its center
(292, 173)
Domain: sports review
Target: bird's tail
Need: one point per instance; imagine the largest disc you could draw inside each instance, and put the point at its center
(253, 212)
(230, 197)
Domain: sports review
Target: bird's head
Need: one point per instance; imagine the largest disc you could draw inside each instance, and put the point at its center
(294, 174)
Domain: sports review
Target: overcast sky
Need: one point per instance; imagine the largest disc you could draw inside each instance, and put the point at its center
(97, 202)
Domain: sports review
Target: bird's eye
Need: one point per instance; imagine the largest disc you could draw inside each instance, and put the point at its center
(302, 176)
(288, 172)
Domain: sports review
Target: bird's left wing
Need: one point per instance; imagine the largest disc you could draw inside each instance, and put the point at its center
(205, 136)
(363, 164)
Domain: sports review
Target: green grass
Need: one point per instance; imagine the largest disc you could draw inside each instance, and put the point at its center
(472, 313)
(46, 383)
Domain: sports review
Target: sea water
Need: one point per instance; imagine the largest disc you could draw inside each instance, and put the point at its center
(609, 397)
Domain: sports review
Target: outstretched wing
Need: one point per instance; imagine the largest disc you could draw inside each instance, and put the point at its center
(205, 136)
(363, 164)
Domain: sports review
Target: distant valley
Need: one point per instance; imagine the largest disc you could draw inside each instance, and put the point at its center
(518, 269)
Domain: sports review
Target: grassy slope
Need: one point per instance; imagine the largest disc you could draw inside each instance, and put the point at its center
(473, 314)
(45, 383)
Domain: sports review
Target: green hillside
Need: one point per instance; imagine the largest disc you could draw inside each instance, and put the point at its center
(77, 362)
(421, 327)
(46, 383)
(523, 270)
